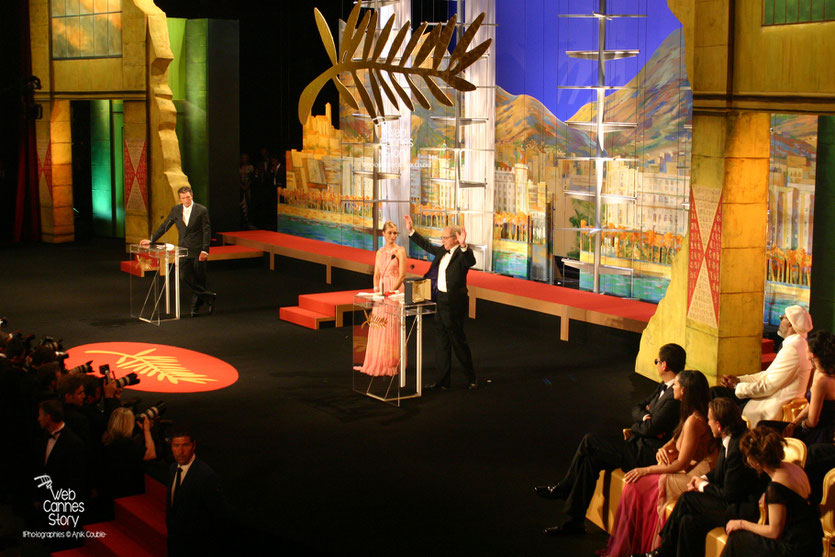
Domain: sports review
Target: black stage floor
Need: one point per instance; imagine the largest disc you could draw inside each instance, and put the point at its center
(310, 467)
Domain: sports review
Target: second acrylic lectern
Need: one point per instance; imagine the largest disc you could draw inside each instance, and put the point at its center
(155, 296)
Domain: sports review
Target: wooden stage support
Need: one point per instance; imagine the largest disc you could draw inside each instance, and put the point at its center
(566, 303)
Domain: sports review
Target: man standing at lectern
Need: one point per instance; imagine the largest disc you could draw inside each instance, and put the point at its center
(192, 220)
(449, 289)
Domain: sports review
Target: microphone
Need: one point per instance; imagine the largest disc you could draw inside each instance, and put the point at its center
(393, 256)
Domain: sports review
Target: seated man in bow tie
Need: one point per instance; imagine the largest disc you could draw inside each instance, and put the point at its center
(654, 420)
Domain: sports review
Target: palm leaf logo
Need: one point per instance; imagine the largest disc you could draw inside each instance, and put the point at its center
(162, 367)
(427, 51)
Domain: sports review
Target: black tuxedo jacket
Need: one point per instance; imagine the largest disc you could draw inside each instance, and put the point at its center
(196, 236)
(67, 461)
(456, 271)
(652, 433)
(196, 520)
(735, 483)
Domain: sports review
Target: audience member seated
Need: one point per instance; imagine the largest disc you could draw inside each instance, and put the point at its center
(762, 395)
(819, 460)
(816, 422)
(123, 455)
(640, 514)
(729, 491)
(654, 419)
(793, 526)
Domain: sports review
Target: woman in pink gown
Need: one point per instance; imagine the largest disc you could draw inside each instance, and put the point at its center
(640, 514)
(382, 353)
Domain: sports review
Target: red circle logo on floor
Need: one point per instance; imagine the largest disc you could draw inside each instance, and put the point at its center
(160, 368)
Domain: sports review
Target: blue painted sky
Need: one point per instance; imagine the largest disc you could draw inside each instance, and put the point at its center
(531, 41)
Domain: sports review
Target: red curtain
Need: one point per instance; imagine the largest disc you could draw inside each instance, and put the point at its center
(27, 207)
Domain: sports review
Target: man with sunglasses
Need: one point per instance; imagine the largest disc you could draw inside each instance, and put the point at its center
(654, 420)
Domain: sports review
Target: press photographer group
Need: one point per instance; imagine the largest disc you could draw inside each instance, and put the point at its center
(79, 442)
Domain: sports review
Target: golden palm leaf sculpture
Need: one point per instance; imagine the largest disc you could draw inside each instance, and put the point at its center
(426, 62)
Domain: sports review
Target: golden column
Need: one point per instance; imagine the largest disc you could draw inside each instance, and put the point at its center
(54, 142)
(714, 306)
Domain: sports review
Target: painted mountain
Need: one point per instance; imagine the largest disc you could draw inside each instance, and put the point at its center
(522, 120)
(658, 98)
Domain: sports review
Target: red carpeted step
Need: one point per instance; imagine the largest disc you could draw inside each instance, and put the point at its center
(143, 517)
(303, 317)
(326, 302)
(112, 541)
(155, 490)
(768, 345)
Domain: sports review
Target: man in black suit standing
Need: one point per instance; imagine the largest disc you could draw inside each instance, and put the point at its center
(654, 420)
(448, 273)
(192, 220)
(195, 508)
(61, 453)
(729, 491)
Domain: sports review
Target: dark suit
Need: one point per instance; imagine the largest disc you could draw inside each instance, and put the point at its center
(196, 519)
(66, 464)
(733, 492)
(452, 308)
(195, 238)
(597, 453)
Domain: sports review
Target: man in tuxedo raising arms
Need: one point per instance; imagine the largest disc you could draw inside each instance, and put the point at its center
(192, 220)
(448, 273)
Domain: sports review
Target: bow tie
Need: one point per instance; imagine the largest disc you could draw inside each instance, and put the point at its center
(663, 387)
(55, 435)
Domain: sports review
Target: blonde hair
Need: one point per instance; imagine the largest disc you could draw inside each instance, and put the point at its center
(121, 424)
(388, 224)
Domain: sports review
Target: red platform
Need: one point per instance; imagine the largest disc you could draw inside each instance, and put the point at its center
(216, 253)
(567, 303)
(315, 309)
(138, 529)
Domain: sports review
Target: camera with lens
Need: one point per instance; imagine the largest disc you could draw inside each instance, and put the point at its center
(122, 382)
(152, 412)
(52, 344)
(83, 368)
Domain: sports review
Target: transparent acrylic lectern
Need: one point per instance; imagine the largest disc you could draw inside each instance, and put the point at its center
(155, 297)
(384, 329)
